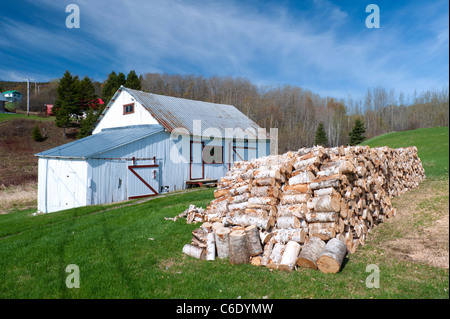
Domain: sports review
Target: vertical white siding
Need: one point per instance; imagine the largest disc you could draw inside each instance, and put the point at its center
(62, 184)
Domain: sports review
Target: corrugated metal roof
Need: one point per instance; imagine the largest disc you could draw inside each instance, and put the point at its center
(172, 112)
(106, 140)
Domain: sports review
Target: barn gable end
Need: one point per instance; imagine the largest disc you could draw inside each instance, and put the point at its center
(116, 113)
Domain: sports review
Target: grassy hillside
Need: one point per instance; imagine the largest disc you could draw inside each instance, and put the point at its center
(18, 165)
(432, 144)
(133, 252)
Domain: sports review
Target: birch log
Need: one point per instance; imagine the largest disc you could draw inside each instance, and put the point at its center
(290, 255)
(332, 256)
(285, 235)
(267, 252)
(275, 256)
(288, 222)
(238, 248)
(321, 217)
(310, 252)
(253, 241)
(210, 246)
(222, 237)
(194, 251)
(325, 203)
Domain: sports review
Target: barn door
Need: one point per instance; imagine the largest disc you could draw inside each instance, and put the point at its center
(197, 165)
(143, 180)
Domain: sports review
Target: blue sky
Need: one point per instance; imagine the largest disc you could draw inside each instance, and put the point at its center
(320, 45)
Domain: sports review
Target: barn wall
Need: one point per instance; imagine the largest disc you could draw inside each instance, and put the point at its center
(115, 117)
(105, 178)
(107, 181)
(62, 184)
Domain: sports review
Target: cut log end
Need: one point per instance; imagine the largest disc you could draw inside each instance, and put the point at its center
(327, 265)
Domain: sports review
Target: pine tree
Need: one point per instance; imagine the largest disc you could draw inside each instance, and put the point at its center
(87, 124)
(36, 134)
(133, 81)
(86, 94)
(121, 79)
(321, 135)
(90, 105)
(356, 135)
(66, 107)
(112, 84)
(110, 87)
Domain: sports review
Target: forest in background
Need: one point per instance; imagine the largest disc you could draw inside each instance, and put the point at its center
(295, 111)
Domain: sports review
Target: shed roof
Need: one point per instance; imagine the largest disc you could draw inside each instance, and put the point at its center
(172, 112)
(12, 91)
(3, 98)
(104, 141)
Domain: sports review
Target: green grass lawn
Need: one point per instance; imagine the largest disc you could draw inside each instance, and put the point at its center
(133, 252)
(10, 116)
(432, 144)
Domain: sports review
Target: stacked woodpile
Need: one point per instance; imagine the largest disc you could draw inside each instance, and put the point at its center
(307, 208)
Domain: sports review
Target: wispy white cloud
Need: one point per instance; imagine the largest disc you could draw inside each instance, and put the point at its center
(317, 48)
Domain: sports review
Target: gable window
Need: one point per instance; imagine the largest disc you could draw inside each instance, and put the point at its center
(128, 108)
(213, 155)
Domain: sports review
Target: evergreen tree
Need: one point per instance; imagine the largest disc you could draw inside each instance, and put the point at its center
(133, 81)
(36, 134)
(86, 94)
(112, 84)
(121, 80)
(356, 135)
(87, 124)
(321, 135)
(109, 87)
(66, 107)
(89, 103)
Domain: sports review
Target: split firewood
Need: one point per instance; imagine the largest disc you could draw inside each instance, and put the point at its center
(264, 191)
(253, 241)
(296, 189)
(285, 235)
(267, 200)
(290, 255)
(287, 221)
(298, 210)
(324, 231)
(321, 217)
(340, 193)
(294, 199)
(267, 252)
(246, 220)
(210, 246)
(265, 236)
(302, 177)
(275, 256)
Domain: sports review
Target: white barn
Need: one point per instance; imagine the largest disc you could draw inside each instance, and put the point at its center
(145, 144)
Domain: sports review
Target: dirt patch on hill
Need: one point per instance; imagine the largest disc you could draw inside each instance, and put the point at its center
(420, 230)
(18, 165)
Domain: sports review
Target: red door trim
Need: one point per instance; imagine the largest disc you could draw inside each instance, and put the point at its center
(131, 168)
(191, 159)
